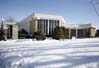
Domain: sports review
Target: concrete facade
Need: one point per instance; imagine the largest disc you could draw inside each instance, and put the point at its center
(41, 22)
(81, 30)
(14, 31)
(11, 29)
(47, 22)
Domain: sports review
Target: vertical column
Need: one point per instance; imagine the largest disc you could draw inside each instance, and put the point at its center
(32, 23)
(36, 25)
(69, 33)
(48, 27)
(76, 33)
(42, 25)
(14, 31)
(45, 26)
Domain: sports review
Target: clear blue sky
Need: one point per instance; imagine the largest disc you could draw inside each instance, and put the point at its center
(73, 11)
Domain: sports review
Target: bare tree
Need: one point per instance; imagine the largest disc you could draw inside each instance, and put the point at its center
(94, 3)
(9, 19)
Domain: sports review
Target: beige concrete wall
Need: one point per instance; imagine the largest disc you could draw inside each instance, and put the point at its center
(36, 25)
(14, 31)
(33, 26)
(92, 32)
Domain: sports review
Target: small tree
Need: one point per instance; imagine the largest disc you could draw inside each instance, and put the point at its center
(39, 35)
(65, 32)
(58, 33)
(1, 35)
(23, 34)
(3, 32)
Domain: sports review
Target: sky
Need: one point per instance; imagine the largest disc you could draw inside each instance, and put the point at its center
(73, 11)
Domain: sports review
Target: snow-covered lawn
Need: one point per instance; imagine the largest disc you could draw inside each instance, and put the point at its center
(75, 53)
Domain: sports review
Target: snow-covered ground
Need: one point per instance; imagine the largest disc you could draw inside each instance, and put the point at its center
(75, 53)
